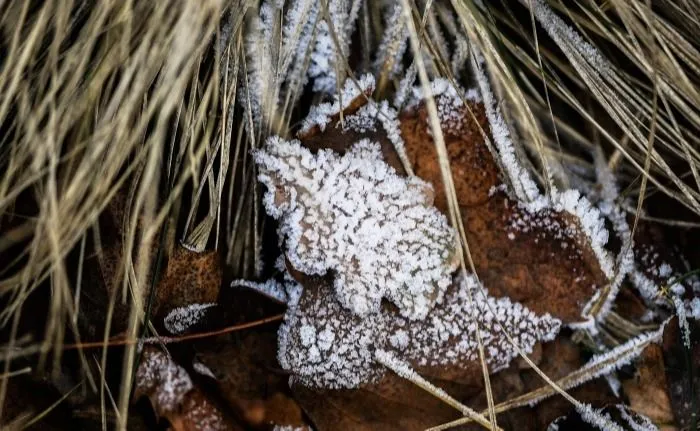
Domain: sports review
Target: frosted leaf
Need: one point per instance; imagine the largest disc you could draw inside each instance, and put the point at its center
(353, 215)
(446, 337)
(169, 382)
(586, 227)
(180, 319)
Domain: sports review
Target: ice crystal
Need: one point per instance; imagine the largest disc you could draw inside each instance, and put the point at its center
(324, 345)
(170, 382)
(393, 44)
(597, 418)
(320, 115)
(202, 369)
(270, 288)
(635, 420)
(694, 306)
(682, 319)
(332, 44)
(353, 215)
(180, 319)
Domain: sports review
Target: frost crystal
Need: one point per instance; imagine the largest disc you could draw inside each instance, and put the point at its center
(320, 115)
(180, 319)
(170, 382)
(353, 215)
(332, 44)
(323, 345)
(393, 44)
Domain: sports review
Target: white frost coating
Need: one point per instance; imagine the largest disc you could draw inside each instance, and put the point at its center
(202, 369)
(270, 288)
(320, 115)
(609, 209)
(346, 359)
(554, 426)
(614, 384)
(591, 223)
(325, 54)
(366, 118)
(353, 215)
(524, 187)
(170, 381)
(453, 96)
(576, 49)
(695, 308)
(405, 87)
(180, 319)
(393, 44)
(682, 319)
(612, 360)
(636, 421)
(597, 418)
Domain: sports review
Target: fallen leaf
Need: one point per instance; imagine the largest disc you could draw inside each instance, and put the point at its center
(683, 373)
(175, 397)
(647, 391)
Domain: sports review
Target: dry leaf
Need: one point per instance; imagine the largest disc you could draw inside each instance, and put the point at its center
(647, 391)
(175, 397)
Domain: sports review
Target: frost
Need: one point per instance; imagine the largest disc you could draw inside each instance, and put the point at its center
(597, 418)
(571, 43)
(405, 87)
(446, 337)
(614, 384)
(353, 215)
(327, 55)
(393, 44)
(180, 319)
(320, 115)
(695, 308)
(635, 421)
(608, 362)
(366, 118)
(523, 185)
(270, 288)
(202, 369)
(682, 319)
(451, 104)
(160, 374)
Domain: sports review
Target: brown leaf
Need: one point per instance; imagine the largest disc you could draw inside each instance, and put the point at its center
(189, 278)
(245, 381)
(683, 372)
(174, 396)
(536, 266)
(544, 270)
(647, 391)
